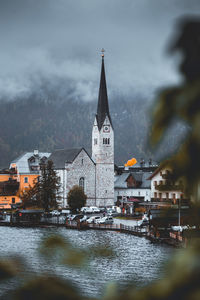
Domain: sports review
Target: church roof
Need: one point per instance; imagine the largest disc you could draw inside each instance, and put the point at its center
(62, 156)
(102, 108)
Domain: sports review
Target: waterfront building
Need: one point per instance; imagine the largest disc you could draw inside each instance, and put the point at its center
(164, 188)
(95, 174)
(9, 188)
(22, 173)
(132, 184)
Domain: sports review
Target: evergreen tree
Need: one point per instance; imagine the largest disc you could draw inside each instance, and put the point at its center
(45, 191)
(76, 198)
(49, 184)
(30, 197)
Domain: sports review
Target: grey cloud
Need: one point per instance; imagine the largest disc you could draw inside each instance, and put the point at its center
(60, 41)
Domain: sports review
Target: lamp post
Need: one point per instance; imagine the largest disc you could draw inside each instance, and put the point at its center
(179, 212)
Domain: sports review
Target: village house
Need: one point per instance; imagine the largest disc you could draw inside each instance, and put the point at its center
(132, 184)
(21, 175)
(164, 188)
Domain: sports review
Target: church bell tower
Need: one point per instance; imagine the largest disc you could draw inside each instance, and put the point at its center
(103, 146)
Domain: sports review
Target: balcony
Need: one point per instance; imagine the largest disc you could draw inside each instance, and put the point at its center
(168, 176)
(169, 187)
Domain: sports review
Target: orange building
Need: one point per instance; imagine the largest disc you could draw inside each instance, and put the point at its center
(21, 175)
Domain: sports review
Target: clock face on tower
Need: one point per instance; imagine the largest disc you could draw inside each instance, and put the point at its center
(106, 128)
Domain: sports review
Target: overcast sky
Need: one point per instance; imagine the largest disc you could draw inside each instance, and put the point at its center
(59, 41)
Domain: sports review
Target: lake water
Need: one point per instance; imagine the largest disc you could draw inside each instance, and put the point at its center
(136, 258)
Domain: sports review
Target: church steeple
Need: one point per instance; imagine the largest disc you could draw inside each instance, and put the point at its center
(102, 108)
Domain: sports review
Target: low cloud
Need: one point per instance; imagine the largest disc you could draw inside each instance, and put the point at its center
(57, 44)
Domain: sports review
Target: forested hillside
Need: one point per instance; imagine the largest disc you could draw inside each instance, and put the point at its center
(48, 124)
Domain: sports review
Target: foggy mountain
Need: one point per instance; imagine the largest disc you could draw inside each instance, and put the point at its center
(47, 123)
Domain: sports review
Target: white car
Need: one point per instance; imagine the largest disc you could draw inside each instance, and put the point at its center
(86, 210)
(95, 209)
(55, 213)
(93, 219)
(84, 219)
(105, 220)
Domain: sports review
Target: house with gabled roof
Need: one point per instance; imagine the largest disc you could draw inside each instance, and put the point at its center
(164, 188)
(22, 173)
(133, 186)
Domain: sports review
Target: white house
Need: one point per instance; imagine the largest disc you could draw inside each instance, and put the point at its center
(163, 188)
(131, 186)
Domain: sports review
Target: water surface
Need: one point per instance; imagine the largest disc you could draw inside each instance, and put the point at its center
(136, 258)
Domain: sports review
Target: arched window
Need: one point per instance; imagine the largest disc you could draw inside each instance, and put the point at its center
(82, 182)
(108, 141)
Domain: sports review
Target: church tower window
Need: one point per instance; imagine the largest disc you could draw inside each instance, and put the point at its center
(95, 141)
(82, 182)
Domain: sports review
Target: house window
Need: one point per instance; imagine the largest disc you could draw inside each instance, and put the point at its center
(155, 183)
(82, 182)
(161, 182)
(108, 141)
(155, 195)
(13, 200)
(160, 196)
(167, 195)
(95, 141)
(25, 179)
(138, 193)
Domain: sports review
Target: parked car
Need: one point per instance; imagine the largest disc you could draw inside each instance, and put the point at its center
(86, 210)
(106, 220)
(55, 213)
(102, 209)
(93, 219)
(95, 209)
(77, 217)
(84, 218)
(65, 212)
(111, 212)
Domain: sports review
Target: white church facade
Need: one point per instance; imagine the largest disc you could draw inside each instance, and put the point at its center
(94, 174)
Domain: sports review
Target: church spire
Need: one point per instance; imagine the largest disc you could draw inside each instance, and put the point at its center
(102, 108)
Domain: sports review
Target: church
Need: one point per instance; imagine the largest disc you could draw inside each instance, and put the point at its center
(95, 174)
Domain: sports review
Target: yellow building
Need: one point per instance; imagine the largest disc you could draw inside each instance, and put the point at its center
(21, 175)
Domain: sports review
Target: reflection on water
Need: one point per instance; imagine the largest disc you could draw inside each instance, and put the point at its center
(136, 258)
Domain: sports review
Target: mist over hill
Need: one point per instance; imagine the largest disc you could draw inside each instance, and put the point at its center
(47, 122)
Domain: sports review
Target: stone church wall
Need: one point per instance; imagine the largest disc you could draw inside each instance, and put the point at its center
(84, 167)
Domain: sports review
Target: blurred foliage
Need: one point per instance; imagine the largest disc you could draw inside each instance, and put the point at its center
(9, 268)
(183, 103)
(48, 288)
(72, 256)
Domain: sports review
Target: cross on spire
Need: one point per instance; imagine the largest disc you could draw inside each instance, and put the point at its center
(102, 52)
